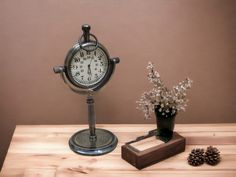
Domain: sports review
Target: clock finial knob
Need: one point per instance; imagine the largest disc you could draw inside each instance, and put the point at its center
(86, 28)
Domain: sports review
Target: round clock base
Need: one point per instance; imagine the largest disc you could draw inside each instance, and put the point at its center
(104, 142)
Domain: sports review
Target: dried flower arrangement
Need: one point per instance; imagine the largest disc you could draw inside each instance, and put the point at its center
(167, 101)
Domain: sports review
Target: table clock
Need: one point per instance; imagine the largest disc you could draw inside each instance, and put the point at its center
(87, 68)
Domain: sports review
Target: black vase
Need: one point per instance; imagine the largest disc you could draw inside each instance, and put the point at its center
(165, 124)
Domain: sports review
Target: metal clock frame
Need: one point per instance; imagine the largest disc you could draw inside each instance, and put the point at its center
(110, 69)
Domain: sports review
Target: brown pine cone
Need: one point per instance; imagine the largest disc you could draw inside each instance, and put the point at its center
(196, 157)
(212, 155)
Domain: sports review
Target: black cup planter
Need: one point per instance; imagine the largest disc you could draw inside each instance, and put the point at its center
(165, 124)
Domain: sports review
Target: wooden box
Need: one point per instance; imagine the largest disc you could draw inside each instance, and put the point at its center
(151, 150)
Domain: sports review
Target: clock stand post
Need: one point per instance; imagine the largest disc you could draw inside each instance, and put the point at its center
(91, 118)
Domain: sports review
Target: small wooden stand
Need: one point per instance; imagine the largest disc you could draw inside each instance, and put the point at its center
(152, 150)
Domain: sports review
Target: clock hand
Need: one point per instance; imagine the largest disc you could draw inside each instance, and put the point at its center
(89, 70)
(91, 60)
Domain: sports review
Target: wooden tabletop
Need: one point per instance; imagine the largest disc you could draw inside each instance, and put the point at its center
(42, 150)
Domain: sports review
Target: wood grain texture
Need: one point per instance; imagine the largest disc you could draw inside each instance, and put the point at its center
(42, 150)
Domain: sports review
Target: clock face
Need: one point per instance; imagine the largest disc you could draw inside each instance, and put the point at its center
(88, 68)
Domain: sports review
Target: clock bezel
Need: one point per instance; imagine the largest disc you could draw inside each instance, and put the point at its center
(69, 58)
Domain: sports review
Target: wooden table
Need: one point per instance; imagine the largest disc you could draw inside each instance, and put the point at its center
(42, 150)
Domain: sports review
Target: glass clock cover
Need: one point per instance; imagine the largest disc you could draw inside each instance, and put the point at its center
(88, 68)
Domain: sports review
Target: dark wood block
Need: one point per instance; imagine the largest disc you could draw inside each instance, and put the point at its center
(151, 150)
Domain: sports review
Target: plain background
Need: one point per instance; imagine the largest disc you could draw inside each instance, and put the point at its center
(184, 38)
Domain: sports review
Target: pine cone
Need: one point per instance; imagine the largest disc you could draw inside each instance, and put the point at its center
(196, 157)
(212, 155)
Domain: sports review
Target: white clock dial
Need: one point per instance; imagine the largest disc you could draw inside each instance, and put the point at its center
(88, 68)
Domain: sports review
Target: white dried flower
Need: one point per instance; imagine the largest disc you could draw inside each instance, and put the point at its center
(169, 100)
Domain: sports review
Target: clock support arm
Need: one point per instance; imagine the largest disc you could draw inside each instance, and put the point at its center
(60, 70)
(115, 60)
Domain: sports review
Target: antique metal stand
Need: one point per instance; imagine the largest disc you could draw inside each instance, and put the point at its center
(93, 141)
(89, 56)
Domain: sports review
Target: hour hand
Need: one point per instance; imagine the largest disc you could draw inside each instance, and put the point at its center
(89, 70)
